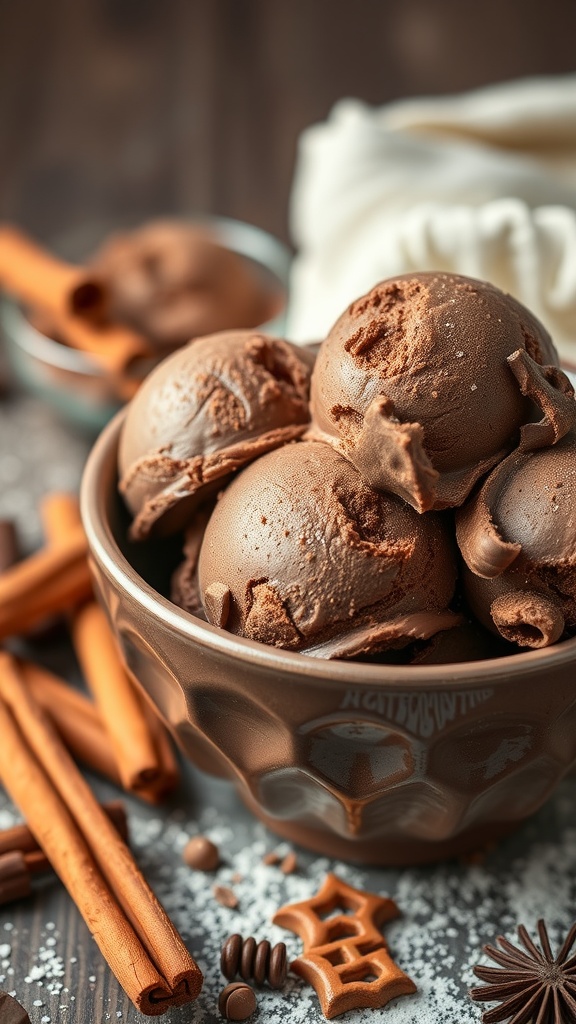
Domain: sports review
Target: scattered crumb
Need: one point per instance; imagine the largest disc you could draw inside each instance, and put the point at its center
(290, 863)
(271, 858)
(225, 896)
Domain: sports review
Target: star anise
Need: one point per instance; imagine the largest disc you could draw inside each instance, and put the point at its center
(531, 984)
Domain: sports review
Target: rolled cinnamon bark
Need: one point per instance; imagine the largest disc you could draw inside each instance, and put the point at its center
(39, 278)
(20, 838)
(76, 719)
(129, 924)
(140, 746)
(49, 582)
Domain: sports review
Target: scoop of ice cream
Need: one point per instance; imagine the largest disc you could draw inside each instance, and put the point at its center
(300, 553)
(172, 281)
(518, 539)
(431, 379)
(203, 413)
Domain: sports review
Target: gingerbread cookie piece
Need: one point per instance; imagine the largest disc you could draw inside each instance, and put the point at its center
(345, 957)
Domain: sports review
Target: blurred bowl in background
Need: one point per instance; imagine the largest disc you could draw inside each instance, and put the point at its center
(73, 383)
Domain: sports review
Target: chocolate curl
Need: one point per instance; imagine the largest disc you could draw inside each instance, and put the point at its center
(391, 456)
(141, 749)
(516, 609)
(549, 388)
(39, 278)
(128, 923)
(527, 618)
(482, 546)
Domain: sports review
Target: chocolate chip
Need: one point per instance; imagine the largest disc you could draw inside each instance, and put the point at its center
(201, 853)
(260, 966)
(237, 1001)
(278, 966)
(247, 958)
(230, 956)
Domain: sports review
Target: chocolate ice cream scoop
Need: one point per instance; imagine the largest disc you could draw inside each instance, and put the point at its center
(431, 379)
(300, 553)
(518, 539)
(172, 281)
(203, 413)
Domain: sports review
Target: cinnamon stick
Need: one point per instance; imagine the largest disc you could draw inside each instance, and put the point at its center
(21, 858)
(143, 754)
(46, 583)
(74, 301)
(80, 726)
(39, 278)
(76, 719)
(20, 838)
(128, 923)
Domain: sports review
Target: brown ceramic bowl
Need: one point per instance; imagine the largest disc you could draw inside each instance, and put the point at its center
(380, 764)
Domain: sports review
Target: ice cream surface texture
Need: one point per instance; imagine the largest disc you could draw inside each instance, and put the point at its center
(314, 560)
(204, 412)
(430, 380)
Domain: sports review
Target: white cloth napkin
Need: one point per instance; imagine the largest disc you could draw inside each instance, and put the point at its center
(482, 183)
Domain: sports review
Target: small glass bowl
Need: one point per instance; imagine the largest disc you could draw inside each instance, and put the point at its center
(70, 380)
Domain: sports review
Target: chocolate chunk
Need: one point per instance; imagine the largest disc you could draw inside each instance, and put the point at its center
(217, 601)
(201, 853)
(237, 1001)
(11, 1012)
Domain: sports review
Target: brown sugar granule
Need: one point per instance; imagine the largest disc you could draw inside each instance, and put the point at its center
(225, 896)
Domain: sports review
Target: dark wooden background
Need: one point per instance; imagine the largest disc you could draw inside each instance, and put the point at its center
(115, 108)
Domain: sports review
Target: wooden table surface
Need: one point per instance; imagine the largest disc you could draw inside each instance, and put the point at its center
(123, 108)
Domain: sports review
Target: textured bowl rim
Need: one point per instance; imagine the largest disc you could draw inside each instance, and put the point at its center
(105, 551)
